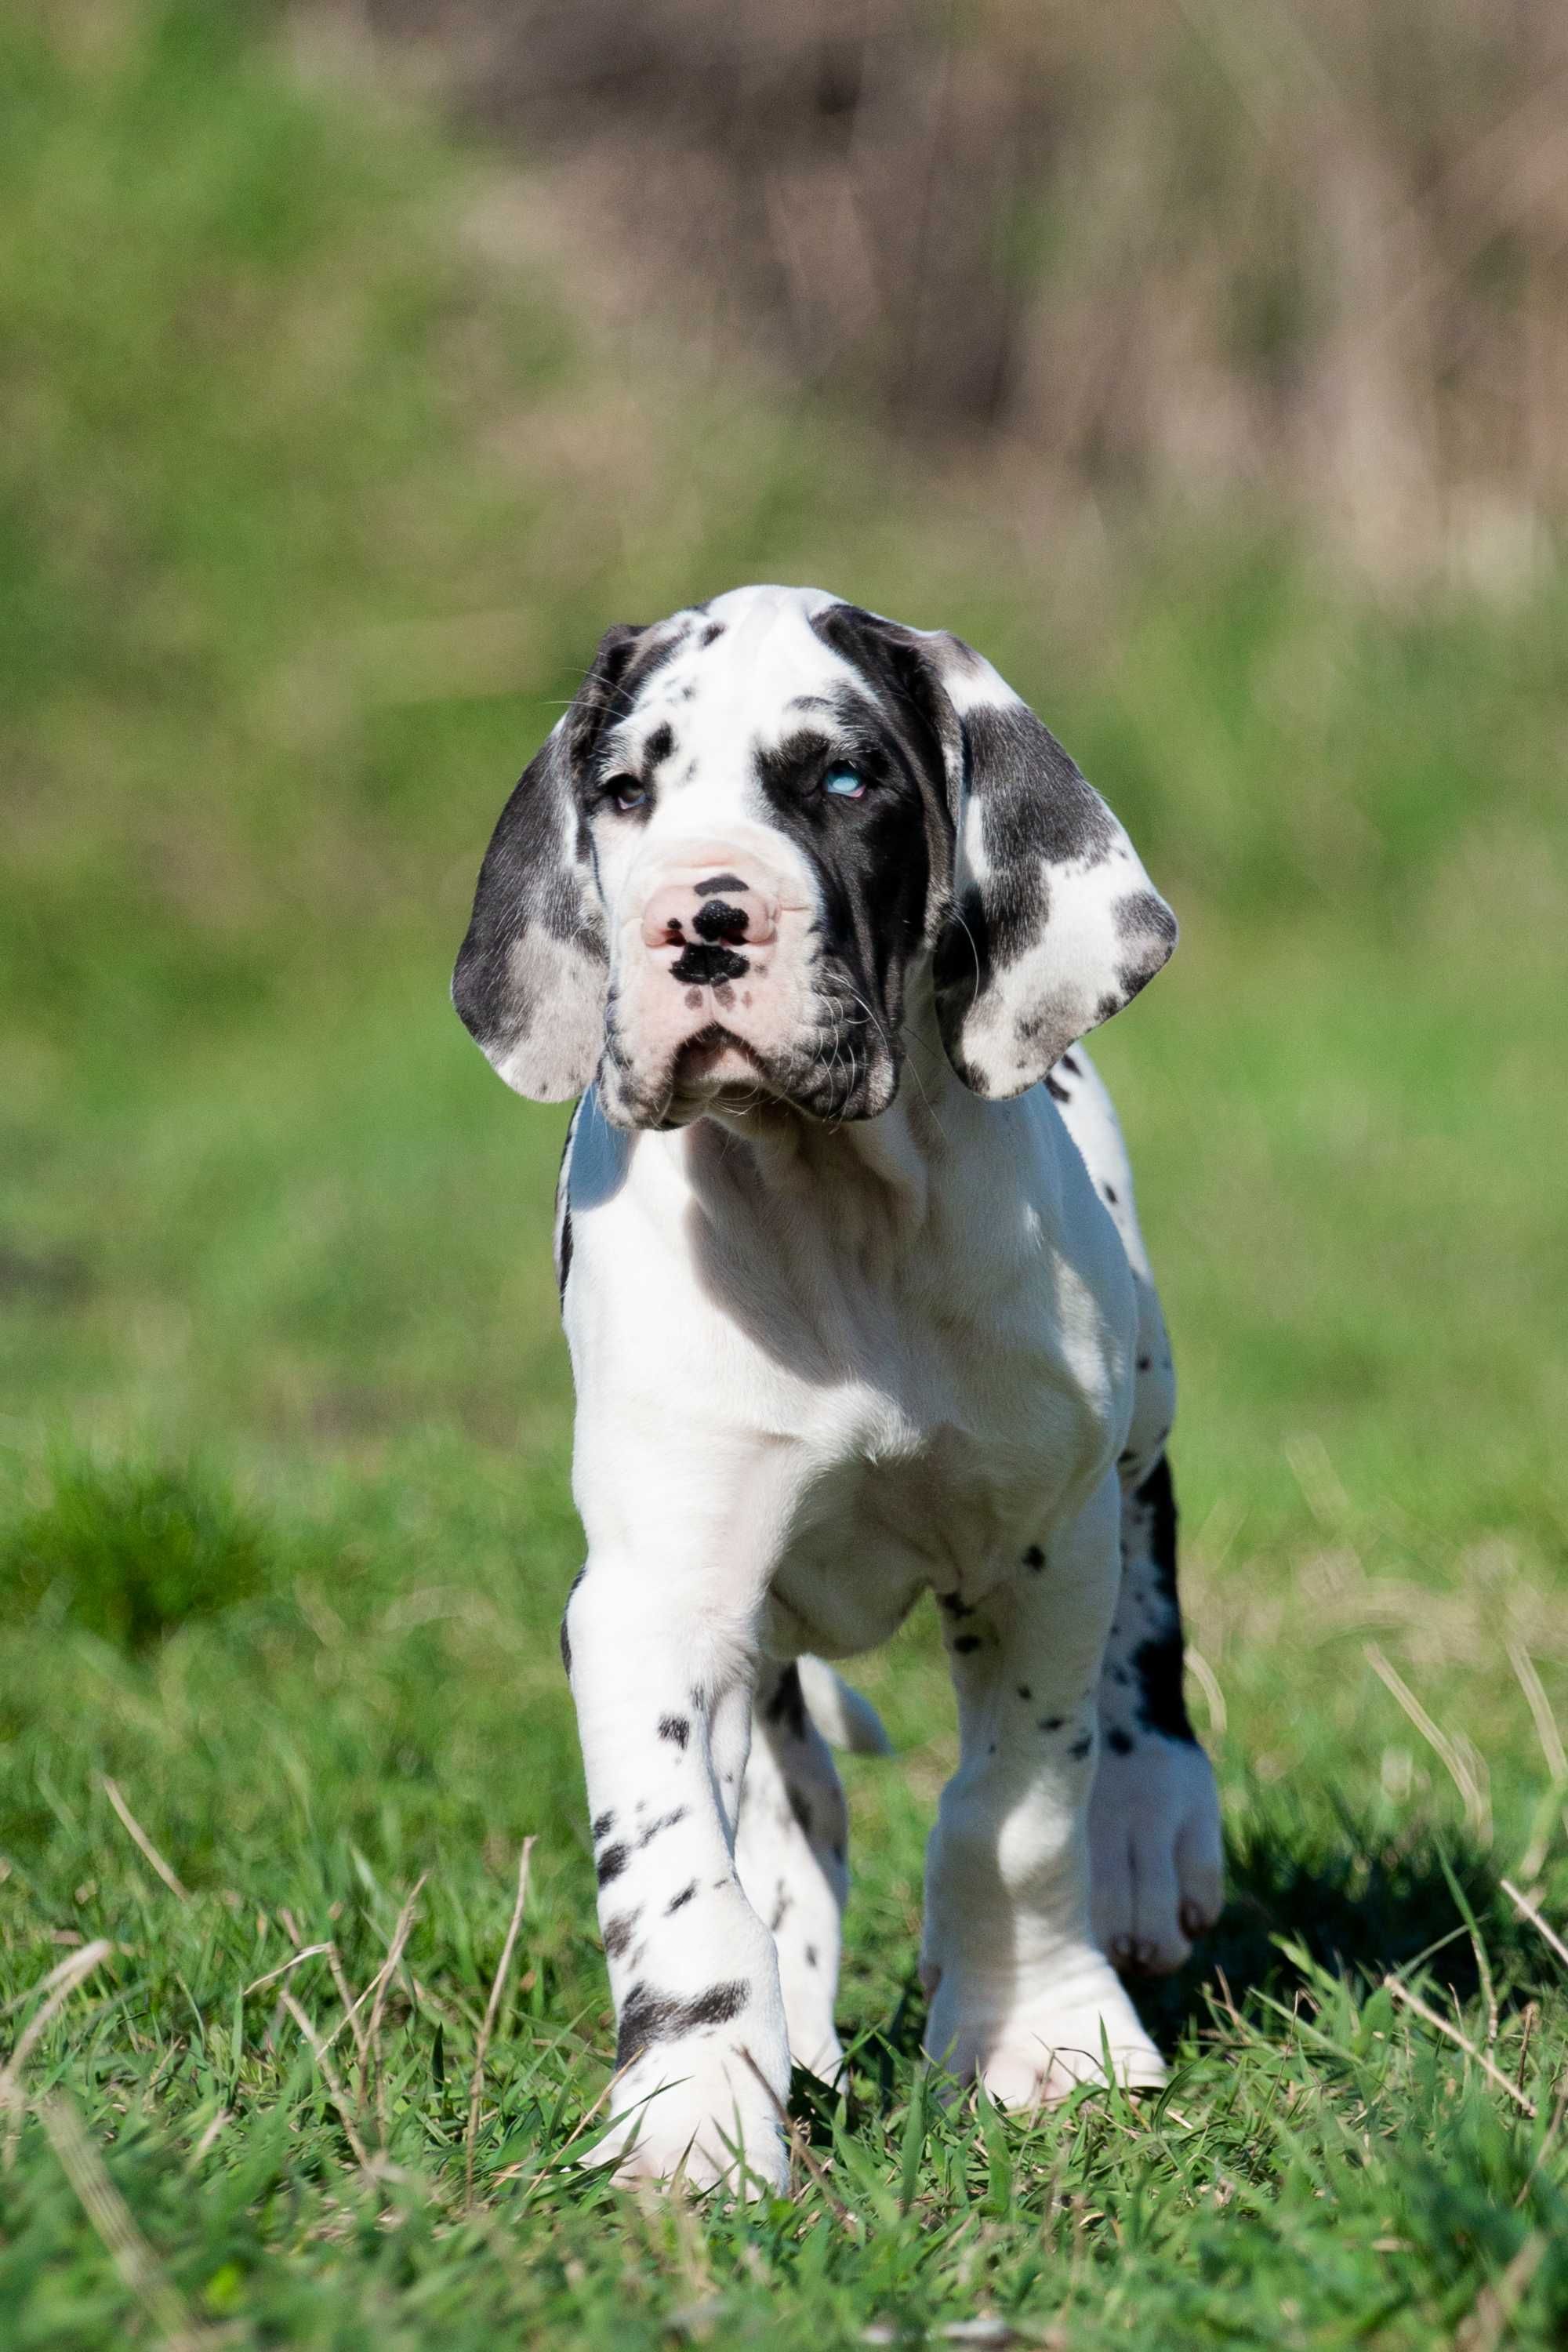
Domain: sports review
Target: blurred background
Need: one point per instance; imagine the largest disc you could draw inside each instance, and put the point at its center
(1206, 367)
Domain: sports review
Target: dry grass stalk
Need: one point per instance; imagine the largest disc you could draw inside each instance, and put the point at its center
(223, 2119)
(369, 2045)
(1461, 1766)
(345, 1995)
(1487, 2321)
(329, 2075)
(1522, 1903)
(110, 2216)
(1430, 2016)
(1207, 1681)
(140, 1838)
(57, 1987)
(492, 2010)
(310, 1952)
(1539, 1706)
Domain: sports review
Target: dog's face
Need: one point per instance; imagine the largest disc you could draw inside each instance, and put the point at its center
(716, 877)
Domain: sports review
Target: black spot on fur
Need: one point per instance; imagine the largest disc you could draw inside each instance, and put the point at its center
(1024, 1691)
(1055, 1088)
(563, 1251)
(657, 1828)
(1080, 1748)
(955, 1604)
(712, 633)
(965, 1643)
(1052, 1722)
(648, 2016)
(787, 1704)
(1158, 1663)
(1110, 1195)
(1119, 1743)
(675, 1728)
(659, 745)
(612, 1862)
(809, 1956)
(1074, 1068)
(618, 1934)
(800, 1809)
(679, 1902)
(1148, 928)
(565, 1637)
(603, 1823)
(716, 882)
(1034, 1556)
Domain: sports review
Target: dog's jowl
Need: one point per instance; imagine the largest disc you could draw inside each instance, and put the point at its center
(812, 912)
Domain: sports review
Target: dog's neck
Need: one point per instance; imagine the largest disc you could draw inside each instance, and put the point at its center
(897, 1166)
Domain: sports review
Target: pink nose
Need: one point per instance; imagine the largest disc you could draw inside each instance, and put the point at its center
(717, 909)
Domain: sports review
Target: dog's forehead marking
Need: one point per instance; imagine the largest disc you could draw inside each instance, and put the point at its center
(752, 673)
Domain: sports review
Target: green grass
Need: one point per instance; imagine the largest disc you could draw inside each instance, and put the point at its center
(313, 497)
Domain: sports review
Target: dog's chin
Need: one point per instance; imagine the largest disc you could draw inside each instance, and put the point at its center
(716, 1075)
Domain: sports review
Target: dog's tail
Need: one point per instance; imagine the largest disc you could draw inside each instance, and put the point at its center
(843, 1718)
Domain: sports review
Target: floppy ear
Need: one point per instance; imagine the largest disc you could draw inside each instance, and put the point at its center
(1050, 924)
(1054, 925)
(531, 974)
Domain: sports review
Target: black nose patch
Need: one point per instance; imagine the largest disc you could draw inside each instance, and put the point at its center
(708, 965)
(719, 882)
(719, 920)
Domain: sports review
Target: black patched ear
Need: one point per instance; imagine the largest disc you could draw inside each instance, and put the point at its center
(1054, 923)
(1047, 923)
(530, 979)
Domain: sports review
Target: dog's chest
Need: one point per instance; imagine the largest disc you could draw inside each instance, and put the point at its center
(961, 1449)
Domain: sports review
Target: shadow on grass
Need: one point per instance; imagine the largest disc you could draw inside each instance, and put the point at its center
(1354, 1902)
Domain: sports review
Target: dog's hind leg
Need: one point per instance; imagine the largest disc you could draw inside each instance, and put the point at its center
(792, 1857)
(1154, 1825)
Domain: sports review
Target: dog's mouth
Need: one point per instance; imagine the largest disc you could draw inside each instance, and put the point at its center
(826, 1077)
(715, 1061)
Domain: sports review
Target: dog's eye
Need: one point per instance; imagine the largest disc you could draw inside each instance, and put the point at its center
(625, 793)
(845, 784)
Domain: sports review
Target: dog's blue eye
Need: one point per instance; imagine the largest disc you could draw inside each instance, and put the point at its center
(627, 794)
(843, 783)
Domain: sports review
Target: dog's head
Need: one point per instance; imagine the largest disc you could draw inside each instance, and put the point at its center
(717, 875)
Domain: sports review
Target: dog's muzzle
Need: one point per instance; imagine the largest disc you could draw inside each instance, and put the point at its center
(707, 929)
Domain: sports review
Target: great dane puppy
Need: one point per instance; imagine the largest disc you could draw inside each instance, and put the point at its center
(811, 912)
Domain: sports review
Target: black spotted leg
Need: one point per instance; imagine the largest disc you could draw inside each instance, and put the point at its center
(1158, 1857)
(790, 1851)
(664, 1699)
(1021, 1995)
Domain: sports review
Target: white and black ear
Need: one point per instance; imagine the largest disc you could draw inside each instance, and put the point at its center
(531, 974)
(1053, 924)
(1044, 921)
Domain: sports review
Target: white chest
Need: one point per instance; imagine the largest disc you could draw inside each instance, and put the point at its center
(967, 1449)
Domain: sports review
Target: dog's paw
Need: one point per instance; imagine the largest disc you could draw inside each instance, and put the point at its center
(701, 2114)
(1156, 1857)
(1036, 2047)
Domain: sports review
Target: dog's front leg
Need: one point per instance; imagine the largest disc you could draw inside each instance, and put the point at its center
(662, 1681)
(1021, 1995)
